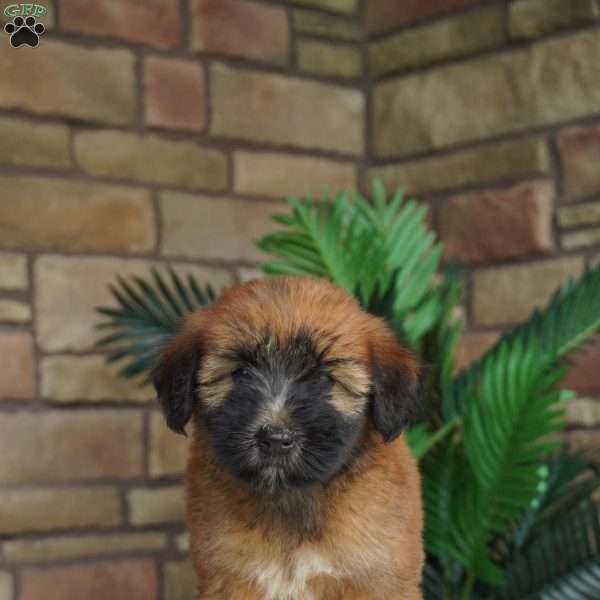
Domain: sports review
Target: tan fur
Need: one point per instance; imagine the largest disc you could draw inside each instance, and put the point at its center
(356, 538)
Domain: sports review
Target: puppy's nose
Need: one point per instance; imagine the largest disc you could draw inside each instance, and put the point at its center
(275, 440)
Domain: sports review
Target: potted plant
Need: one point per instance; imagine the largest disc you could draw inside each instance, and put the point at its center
(510, 513)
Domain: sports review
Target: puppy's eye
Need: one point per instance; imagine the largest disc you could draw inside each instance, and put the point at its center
(241, 374)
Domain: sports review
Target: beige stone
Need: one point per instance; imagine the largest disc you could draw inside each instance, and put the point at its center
(579, 149)
(580, 214)
(155, 506)
(328, 26)
(53, 446)
(180, 580)
(486, 164)
(95, 84)
(13, 271)
(321, 58)
(221, 228)
(33, 144)
(584, 412)
(151, 159)
(6, 586)
(168, 451)
(81, 546)
(554, 81)
(506, 295)
(472, 346)
(182, 541)
(382, 15)
(89, 379)
(275, 109)
(100, 216)
(245, 274)
(58, 301)
(456, 36)
(14, 311)
(280, 175)
(47, 510)
(586, 441)
(131, 579)
(18, 381)
(580, 239)
(533, 18)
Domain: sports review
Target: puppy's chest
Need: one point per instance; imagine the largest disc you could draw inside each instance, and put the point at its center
(289, 579)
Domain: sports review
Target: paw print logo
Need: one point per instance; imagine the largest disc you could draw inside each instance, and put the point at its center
(24, 32)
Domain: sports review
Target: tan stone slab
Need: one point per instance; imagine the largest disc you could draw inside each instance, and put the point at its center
(321, 58)
(214, 228)
(58, 509)
(58, 301)
(280, 175)
(89, 378)
(453, 37)
(70, 80)
(13, 271)
(515, 159)
(14, 311)
(265, 108)
(27, 143)
(515, 91)
(155, 506)
(52, 446)
(503, 295)
(18, 381)
(100, 216)
(150, 159)
(83, 546)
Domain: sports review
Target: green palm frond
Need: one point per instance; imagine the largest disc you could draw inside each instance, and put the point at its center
(444, 471)
(381, 252)
(571, 317)
(421, 441)
(437, 346)
(506, 422)
(147, 315)
(434, 585)
(564, 562)
(572, 479)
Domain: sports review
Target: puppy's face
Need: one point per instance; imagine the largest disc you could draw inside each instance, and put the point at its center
(283, 410)
(286, 374)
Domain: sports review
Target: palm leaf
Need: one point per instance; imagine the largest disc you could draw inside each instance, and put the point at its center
(372, 251)
(506, 420)
(571, 317)
(572, 478)
(146, 316)
(434, 586)
(564, 562)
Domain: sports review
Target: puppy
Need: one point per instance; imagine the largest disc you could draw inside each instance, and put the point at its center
(299, 485)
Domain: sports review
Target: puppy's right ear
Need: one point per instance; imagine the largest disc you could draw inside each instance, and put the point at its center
(174, 377)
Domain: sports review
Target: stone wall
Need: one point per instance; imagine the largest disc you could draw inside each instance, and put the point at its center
(164, 132)
(490, 112)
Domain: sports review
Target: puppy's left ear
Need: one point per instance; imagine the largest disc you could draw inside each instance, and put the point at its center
(396, 392)
(174, 377)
